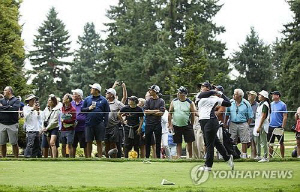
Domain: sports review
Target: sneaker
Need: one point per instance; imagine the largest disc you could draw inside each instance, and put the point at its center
(244, 155)
(230, 162)
(112, 152)
(263, 160)
(257, 158)
(205, 168)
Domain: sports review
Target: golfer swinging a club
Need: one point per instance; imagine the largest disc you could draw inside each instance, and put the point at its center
(208, 100)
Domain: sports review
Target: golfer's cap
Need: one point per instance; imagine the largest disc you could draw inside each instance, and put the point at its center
(206, 84)
(112, 91)
(220, 88)
(276, 93)
(96, 86)
(79, 92)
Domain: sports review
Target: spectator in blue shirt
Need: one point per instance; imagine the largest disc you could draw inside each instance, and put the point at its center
(240, 115)
(277, 120)
(97, 109)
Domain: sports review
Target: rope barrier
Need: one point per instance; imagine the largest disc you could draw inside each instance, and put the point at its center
(143, 112)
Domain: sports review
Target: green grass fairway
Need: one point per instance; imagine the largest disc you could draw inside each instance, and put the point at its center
(136, 176)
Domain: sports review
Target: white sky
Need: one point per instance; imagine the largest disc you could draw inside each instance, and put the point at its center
(237, 16)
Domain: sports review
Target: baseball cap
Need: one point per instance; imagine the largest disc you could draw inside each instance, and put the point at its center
(29, 97)
(112, 91)
(276, 93)
(79, 92)
(182, 89)
(252, 93)
(220, 88)
(96, 86)
(206, 84)
(155, 88)
(264, 93)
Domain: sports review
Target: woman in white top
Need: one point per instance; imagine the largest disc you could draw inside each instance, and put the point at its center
(262, 122)
(51, 114)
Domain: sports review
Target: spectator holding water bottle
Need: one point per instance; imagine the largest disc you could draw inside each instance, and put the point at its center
(97, 109)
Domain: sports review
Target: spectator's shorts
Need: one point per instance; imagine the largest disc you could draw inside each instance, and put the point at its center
(112, 134)
(186, 131)
(79, 137)
(67, 137)
(45, 138)
(240, 130)
(143, 140)
(96, 132)
(251, 132)
(272, 138)
(9, 133)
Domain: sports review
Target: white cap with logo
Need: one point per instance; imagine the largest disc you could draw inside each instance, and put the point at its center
(264, 93)
(79, 92)
(112, 91)
(96, 86)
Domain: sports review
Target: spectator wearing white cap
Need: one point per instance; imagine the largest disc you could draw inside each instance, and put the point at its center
(97, 109)
(33, 124)
(112, 128)
(80, 118)
(121, 128)
(262, 121)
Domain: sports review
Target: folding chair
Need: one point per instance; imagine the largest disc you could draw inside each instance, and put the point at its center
(276, 132)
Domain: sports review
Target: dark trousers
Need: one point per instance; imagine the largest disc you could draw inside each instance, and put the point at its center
(149, 129)
(33, 145)
(209, 128)
(129, 143)
(120, 142)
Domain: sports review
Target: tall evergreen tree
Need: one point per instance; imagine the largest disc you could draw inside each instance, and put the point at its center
(87, 66)
(193, 65)
(289, 50)
(137, 48)
(49, 59)
(254, 63)
(12, 53)
(182, 15)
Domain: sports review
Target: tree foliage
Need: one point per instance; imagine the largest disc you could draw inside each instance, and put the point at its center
(88, 60)
(289, 51)
(12, 53)
(49, 59)
(193, 64)
(254, 63)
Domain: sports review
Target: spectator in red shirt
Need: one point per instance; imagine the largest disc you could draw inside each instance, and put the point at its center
(68, 119)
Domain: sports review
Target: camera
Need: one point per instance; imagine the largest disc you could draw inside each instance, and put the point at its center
(46, 123)
(120, 83)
